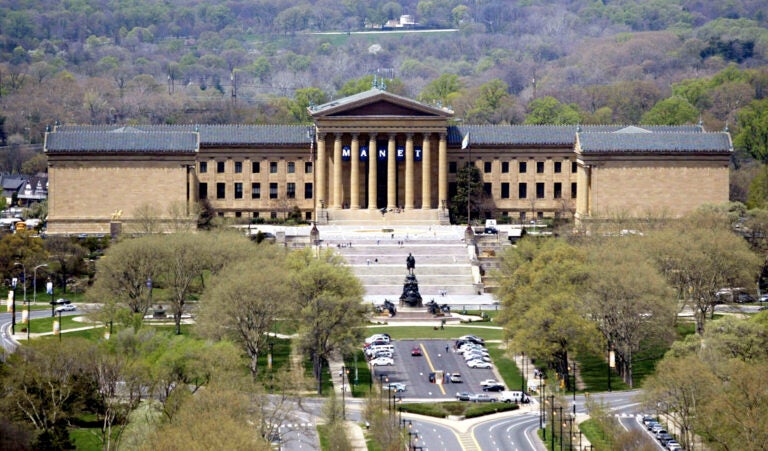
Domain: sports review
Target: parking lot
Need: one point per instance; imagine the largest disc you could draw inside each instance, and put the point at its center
(414, 371)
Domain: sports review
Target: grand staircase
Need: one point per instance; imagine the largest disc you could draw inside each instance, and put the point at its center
(443, 266)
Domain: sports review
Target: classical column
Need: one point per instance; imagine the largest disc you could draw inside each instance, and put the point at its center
(582, 191)
(337, 171)
(373, 155)
(442, 168)
(409, 171)
(391, 173)
(354, 176)
(322, 160)
(426, 174)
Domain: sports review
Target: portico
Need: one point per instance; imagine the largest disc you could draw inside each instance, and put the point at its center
(375, 153)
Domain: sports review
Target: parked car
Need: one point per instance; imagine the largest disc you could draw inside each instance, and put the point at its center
(383, 361)
(489, 382)
(396, 387)
(66, 308)
(479, 364)
(664, 438)
(463, 396)
(62, 301)
(673, 445)
(416, 351)
(744, 298)
(763, 298)
(383, 354)
(456, 378)
(494, 387)
(651, 424)
(473, 338)
(375, 337)
(647, 419)
(482, 397)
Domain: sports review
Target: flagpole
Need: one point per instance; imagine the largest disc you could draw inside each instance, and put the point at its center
(465, 145)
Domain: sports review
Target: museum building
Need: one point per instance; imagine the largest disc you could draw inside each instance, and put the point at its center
(380, 159)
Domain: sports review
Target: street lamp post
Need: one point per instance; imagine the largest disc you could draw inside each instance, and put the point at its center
(23, 279)
(34, 281)
(573, 366)
(522, 363)
(13, 306)
(561, 428)
(552, 417)
(343, 394)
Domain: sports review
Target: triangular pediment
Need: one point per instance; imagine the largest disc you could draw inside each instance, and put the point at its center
(378, 103)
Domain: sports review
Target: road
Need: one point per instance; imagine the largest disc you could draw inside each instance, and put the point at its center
(5, 325)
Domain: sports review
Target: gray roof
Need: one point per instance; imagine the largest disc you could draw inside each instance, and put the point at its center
(554, 135)
(219, 134)
(124, 139)
(372, 95)
(654, 142)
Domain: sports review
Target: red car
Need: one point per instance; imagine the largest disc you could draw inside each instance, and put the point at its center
(416, 351)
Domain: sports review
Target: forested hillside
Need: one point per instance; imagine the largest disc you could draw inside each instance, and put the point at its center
(535, 61)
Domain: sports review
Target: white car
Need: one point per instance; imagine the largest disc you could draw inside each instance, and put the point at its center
(489, 382)
(398, 387)
(383, 361)
(479, 364)
(66, 308)
(375, 337)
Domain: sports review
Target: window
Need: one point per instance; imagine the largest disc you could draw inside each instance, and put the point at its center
(487, 188)
(220, 166)
(202, 191)
(291, 167)
(505, 167)
(539, 167)
(221, 190)
(308, 215)
(290, 190)
(540, 190)
(574, 167)
(558, 167)
(558, 190)
(505, 190)
(238, 190)
(255, 167)
(522, 190)
(273, 167)
(255, 190)
(307, 167)
(522, 216)
(238, 167)
(451, 167)
(273, 215)
(308, 191)
(273, 190)
(573, 190)
(238, 214)
(487, 166)
(522, 167)
(203, 167)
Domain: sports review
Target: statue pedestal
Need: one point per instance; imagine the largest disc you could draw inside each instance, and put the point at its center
(410, 296)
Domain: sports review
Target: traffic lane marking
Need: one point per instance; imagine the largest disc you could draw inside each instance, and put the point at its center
(431, 367)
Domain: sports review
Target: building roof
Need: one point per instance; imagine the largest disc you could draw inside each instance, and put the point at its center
(374, 96)
(121, 139)
(654, 142)
(216, 134)
(168, 137)
(555, 135)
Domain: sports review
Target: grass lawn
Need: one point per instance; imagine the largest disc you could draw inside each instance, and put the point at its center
(511, 375)
(426, 332)
(43, 325)
(364, 382)
(86, 439)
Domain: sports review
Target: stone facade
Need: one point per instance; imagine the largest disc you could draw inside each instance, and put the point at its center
(380, 159)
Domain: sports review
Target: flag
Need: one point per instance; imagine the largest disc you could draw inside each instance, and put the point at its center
(465, 142)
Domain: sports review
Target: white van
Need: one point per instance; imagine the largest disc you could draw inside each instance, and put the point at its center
(514, 396)
(374, 349)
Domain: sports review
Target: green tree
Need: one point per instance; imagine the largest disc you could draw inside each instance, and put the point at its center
(443, 90)
(758, 189)
(629, 299)
(548, 110)
(493, 105)
(303, 99)
(469, 187)
(671, 111)
(542, 286)
(328, 308)
(700, 255)
(752, 135)
(235, 309)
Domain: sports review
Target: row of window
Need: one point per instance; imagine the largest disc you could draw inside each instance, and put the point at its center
(255, 167)
(221, 190)
(522, 190)
(522, 167)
